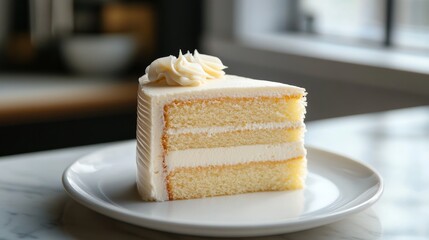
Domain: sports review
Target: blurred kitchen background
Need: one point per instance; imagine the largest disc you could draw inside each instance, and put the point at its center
(69, 68)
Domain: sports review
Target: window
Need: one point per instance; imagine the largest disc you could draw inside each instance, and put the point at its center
(412, 23)
(305, 38)
(351, 19)
(401, 23)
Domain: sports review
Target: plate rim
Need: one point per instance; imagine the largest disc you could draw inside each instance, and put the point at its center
(118, 213)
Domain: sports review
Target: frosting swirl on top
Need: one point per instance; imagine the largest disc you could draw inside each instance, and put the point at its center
(211, 65)
(186, 70)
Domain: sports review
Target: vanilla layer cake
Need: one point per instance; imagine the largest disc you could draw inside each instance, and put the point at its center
(231, 135)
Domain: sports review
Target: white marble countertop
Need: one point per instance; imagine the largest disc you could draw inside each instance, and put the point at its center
(33, 204)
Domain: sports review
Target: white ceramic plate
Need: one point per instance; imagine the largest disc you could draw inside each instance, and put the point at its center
(336, 187)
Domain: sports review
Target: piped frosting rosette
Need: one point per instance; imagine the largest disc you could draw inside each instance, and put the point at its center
(186, 70)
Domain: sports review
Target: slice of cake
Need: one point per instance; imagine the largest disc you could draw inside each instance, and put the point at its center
(201, 133)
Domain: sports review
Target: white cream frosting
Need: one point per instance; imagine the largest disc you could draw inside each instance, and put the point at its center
(202, 157)
(150, 172)
(227, 86)
(213, 66)
(153, 97)
(253, 126)
(186, 70)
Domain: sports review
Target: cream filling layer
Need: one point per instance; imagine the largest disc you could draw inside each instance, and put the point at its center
(202, 157)
(253, 126)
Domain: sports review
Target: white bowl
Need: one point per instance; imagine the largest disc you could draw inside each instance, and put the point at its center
(98, 54)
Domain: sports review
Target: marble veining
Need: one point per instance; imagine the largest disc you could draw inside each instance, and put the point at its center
(33, 204)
